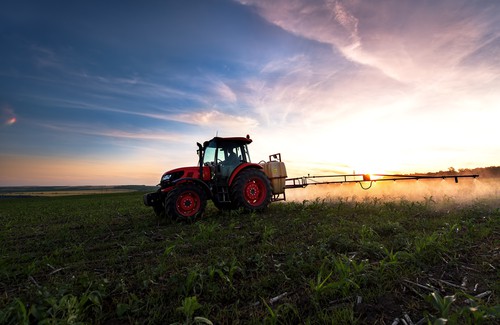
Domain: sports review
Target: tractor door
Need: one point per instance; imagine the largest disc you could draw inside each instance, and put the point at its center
(229, 156)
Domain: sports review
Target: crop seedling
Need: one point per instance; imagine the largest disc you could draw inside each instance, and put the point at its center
(189, 306)
(441, 304)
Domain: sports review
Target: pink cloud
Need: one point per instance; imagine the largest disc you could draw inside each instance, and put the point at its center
(7, 116)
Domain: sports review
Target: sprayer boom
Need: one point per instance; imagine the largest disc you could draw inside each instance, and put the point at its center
(365, 180)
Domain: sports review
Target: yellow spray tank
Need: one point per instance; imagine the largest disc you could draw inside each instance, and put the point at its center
(275, 170)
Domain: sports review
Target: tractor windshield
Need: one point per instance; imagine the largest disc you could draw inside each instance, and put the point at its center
(209, 156)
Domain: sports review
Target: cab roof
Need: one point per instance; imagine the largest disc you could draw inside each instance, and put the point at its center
(245, 140)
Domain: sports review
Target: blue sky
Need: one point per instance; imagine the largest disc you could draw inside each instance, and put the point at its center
(116, 92)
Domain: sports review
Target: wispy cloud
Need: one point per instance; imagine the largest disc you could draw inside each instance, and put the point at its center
(216, 120)
(399, 39)
(201, 117)
(105, 131)
(224, 92)
(45, 57)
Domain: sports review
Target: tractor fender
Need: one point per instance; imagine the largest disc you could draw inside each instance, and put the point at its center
(198, 181)
(241, 167)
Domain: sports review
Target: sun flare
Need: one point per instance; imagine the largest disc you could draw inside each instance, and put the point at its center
(372, 177)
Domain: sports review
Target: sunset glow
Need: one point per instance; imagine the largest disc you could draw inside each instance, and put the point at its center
(92, 95)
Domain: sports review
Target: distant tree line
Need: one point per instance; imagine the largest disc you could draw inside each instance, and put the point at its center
(483, 172)
(13, 189)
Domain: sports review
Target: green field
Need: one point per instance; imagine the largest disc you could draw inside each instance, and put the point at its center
(106, 259)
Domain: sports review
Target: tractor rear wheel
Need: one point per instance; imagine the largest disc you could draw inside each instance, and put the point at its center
(251, 190)
(186, 202)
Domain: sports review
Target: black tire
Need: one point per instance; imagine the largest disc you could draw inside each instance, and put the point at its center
(155, 201)
(159, 210)
(251, 190)
(186, 202)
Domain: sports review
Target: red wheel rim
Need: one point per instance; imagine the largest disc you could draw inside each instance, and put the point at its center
(188, 204)
(255, 191)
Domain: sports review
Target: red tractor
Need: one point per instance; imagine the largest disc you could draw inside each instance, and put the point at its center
(225, 175)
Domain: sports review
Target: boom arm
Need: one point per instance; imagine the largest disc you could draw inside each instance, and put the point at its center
(301, 182)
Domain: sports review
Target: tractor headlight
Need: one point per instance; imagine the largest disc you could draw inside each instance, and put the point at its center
(167, 179)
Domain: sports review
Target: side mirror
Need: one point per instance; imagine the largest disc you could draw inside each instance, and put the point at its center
(199, 153)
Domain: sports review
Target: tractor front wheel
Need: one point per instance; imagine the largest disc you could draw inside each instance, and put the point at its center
(159, 210)
(251, 190)
(186, 202)
(155, 200)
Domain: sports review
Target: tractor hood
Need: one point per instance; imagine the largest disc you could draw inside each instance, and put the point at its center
(169, 177)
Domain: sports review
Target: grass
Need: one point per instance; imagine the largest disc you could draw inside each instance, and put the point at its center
(99, 259)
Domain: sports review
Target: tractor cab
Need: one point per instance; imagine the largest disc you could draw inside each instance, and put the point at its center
(223, 155)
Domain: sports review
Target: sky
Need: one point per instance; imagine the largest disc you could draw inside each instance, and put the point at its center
(117, 92)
